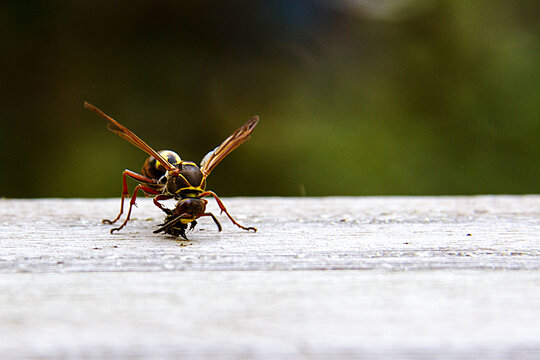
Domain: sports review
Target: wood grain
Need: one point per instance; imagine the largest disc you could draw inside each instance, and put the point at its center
(408, 277)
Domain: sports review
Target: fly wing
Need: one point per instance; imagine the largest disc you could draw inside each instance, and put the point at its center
(126, 134)
(171, 223)
(236, 139)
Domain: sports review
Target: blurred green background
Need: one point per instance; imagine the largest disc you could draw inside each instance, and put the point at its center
(355, 97)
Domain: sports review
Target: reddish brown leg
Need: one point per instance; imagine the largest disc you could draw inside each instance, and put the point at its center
(125, 191)
(162, 197)
(132, 202)
(224, 210)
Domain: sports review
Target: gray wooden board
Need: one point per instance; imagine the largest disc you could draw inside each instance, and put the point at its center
(408, 277)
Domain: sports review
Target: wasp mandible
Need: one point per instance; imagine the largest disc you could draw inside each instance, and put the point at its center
(166, 176)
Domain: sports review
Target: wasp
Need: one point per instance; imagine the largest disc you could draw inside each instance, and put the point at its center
(166, 176)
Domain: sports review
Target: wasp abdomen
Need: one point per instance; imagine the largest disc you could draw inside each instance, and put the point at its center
(154, 170)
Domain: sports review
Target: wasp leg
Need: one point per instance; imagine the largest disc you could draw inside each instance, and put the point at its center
(213, 218)
(163, 197)
(132, 202)
(125, 191)
(192, 225)
(224, 210)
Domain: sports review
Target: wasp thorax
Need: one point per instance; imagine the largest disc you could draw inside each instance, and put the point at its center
(188, 179)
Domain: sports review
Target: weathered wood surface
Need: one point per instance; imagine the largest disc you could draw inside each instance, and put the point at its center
(449, 277)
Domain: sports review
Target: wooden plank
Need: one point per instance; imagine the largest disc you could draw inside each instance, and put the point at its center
(438, 284)
(327, 233)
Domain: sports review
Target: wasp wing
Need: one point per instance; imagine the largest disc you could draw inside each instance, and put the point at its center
(126, 134)
(236, 139)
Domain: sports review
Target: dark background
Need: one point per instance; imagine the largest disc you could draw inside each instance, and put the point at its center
(355, 97)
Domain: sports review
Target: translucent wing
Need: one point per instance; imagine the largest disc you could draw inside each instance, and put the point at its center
(126, 134)
(236, 139)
